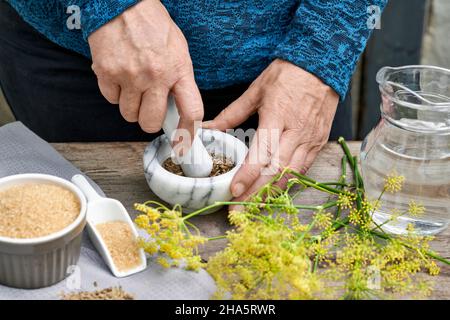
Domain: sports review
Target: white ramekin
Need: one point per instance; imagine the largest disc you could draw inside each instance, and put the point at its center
(41, 262)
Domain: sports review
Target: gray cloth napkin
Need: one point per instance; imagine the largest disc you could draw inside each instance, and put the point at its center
(21, 151)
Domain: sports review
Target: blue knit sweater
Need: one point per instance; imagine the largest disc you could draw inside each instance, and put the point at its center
(232, 41)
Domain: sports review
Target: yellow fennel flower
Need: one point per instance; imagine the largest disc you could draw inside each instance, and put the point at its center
(323, 219)
(163, 262)
(416, 209)
(345, 201)
(142, 221)
(393, 183)
(169, 236)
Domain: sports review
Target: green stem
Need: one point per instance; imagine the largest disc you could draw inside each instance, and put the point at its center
(217, 238)
(273, 205)
(243, 203)
(317, 185)
(437, 257)
(350, 159)
(294, 196)
(347, 152)
(192, 226)
(160, 206)
(342, 178)
(360, 192)
(339, 224)
(357, 185)
(310, 226)
(328, 205)
(379, 226)
(195, 213)
(388, 237)
(311, 182)
(390, 220)
(357, 173)
(360, 189)
(338, 184)
(185, 228)
(428, 253)
(316, 262)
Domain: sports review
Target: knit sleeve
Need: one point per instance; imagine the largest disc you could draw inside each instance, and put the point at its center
(326, 38)
(96, 13)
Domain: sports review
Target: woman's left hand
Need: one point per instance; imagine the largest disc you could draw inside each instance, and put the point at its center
(296, 111)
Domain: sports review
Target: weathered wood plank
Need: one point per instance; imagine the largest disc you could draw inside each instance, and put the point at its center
(117, 168)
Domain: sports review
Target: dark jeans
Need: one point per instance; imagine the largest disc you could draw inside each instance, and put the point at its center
(54, 92)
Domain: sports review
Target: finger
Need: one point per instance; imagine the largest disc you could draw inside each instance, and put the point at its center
(260, 181)
(109, 90)
(289, 142)
(189, 103)
(263, 147)
(280, 160)
(153, 109)
(235, 114)
(297, 163)
(129, 103)
(309, 160)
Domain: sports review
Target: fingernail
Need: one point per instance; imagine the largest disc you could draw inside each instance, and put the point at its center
(207, 124)
(237, 190)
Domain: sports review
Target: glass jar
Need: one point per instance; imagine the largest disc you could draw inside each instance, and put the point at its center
(411, 140)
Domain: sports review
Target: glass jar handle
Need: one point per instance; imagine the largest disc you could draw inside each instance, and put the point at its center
(418, 96)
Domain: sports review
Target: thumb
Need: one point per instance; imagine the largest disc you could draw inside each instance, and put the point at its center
(235, 114)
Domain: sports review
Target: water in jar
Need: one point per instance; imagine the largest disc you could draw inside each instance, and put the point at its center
(423, 159)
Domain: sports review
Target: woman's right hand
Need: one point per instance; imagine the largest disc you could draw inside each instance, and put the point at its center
(141, 56)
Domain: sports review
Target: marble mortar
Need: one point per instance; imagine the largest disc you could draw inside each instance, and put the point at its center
(193, 193)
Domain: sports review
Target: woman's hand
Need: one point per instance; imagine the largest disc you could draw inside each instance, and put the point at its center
(141, 56)
(296, 111)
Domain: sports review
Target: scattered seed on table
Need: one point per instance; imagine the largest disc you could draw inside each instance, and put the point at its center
(112, 293)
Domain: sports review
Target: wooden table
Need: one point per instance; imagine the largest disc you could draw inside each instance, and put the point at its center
(117, 168)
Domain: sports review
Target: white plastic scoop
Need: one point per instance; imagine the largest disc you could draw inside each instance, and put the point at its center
(196, 162)
(101, 210)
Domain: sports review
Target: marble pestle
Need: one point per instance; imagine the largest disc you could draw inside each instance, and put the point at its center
(196, 162)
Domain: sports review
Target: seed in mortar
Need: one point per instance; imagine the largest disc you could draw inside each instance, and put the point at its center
(34, 210)
(221, 165)
(121, 244)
